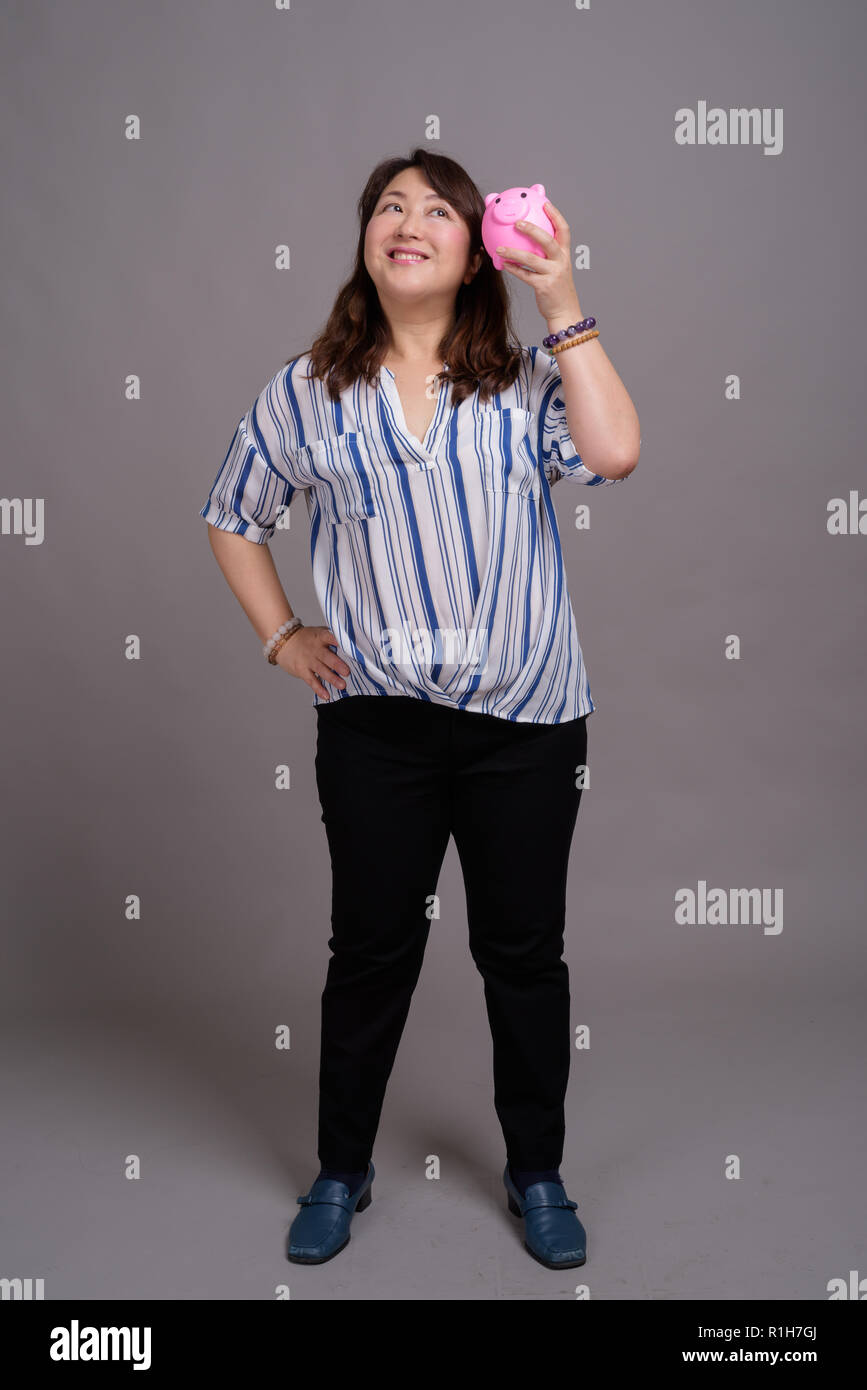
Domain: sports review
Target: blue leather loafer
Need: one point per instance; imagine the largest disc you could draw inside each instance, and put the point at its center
(552, 1232)
(321, 1228)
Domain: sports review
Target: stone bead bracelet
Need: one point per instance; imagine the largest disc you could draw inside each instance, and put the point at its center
(554, 338)
(283, 633)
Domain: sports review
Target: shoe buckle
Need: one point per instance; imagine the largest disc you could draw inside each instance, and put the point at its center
(309, 1200)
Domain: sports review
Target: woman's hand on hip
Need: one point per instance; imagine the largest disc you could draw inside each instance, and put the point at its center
(308, 655)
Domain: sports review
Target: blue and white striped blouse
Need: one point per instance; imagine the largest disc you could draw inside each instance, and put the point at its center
(436, 562)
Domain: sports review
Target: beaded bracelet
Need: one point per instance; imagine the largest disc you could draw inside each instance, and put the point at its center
(554, 338)
(573, 342)
(283, 633)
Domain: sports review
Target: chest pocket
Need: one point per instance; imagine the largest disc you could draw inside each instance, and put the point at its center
(504, 443)
(342, 477)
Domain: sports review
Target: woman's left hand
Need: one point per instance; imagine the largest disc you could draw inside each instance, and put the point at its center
(550, 275)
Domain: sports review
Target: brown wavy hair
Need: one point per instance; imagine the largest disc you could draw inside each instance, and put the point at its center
(482, 347)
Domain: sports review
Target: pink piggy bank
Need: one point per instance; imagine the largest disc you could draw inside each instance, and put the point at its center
(503, 210)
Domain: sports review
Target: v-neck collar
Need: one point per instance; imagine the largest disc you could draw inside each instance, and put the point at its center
(428, 444)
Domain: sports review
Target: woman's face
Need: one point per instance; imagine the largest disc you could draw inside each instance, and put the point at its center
(411, 216)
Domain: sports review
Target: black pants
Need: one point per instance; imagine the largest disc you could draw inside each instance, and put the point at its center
(396, 776)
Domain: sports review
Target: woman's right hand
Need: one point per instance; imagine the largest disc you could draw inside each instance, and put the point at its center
(308, 655)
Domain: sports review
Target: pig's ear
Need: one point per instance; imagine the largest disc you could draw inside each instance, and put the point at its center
(538, 188)
(489, 198)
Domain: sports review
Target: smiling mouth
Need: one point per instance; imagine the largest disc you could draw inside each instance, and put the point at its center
(406, 257)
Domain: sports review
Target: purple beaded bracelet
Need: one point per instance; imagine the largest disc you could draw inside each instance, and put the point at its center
(554, 338)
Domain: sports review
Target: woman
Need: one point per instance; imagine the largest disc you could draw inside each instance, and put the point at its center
(426, 442)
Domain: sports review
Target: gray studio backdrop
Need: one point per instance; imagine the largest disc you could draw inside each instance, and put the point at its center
(157, 1135)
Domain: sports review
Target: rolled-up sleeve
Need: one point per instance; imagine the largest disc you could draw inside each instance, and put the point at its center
(257, 479)
(558, 456)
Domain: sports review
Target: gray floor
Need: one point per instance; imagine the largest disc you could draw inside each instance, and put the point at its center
(671, 1086)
